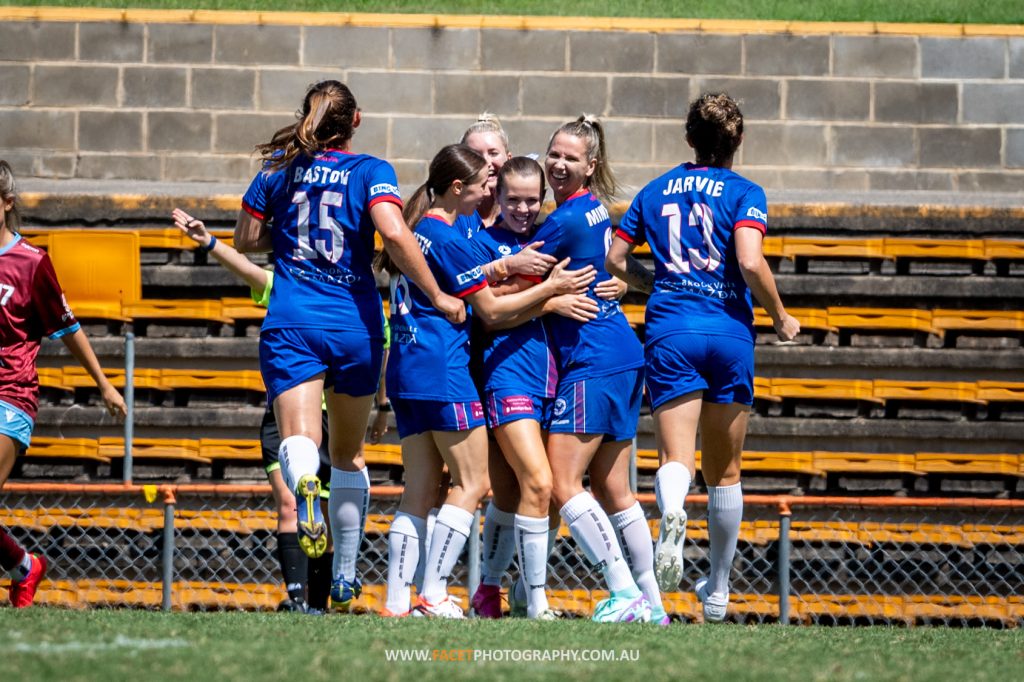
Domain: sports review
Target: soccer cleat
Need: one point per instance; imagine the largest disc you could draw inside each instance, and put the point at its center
(548, 614)
(292, 606)
(659, 617)
(486, 602)
(517, 600)
(24, 591)
(623, 608)
(312, 530)
(343, 592)
(668, 555)
(446, 608)
(715, 603)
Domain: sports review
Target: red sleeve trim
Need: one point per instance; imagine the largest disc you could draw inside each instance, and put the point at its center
(253, 212)
(387, 197)
(750, 223)
(471, 290)
(536, 279)
(625, 237)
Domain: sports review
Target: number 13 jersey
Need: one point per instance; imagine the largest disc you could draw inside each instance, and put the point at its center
(689, 216)
(322, 237)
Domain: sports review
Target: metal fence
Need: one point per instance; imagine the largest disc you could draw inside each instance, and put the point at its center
(800, 560)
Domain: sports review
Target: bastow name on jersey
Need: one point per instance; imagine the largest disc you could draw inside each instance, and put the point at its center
(690, 183)
(320, 175)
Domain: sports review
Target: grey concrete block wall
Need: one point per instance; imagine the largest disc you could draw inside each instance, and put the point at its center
(172, 101)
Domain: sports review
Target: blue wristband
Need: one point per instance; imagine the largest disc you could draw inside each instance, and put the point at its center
(208, 247)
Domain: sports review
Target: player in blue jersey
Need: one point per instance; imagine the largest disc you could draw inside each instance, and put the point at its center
(519, 382)
(316, 206)
(705, 225)
(595, 414)
(437, 406)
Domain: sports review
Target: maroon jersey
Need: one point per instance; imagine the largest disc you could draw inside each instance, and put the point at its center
(32, 305)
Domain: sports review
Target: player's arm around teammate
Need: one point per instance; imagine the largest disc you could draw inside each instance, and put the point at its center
(437, 407)
(700, 348)
(33, 306)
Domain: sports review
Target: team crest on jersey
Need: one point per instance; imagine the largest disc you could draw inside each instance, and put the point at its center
(560, 407)
(505, 250)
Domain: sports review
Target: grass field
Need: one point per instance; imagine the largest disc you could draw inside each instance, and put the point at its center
(932, 11)
(51, 644)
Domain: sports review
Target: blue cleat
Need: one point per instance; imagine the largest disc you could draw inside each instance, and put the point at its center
(623, 607)
(343, 592)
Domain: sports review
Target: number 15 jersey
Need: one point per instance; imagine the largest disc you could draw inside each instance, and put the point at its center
(689, 216)
(322, 238)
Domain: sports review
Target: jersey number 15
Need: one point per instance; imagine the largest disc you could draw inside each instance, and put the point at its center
(700, 217)
(327, 224)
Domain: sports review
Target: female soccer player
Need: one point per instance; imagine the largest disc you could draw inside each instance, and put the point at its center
(32, 305)
(324, 326)
(599, 385)
(519, 385)
(437, 407)
(705, 225)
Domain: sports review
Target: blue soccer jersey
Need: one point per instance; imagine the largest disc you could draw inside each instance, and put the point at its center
(519, 358)
(689, 216)
(322, 234)
(470, 224)
(429, 355)
(581, 230)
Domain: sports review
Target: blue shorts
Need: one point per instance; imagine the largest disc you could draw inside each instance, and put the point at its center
(508, 405)
(418, 416)
(721, 366)
(16, 425)
(349, 360)
(609, 405)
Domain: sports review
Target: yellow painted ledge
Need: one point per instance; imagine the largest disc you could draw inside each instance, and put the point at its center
(551, 23)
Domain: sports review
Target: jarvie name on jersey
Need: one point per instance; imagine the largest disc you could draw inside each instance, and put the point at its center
(694, 182)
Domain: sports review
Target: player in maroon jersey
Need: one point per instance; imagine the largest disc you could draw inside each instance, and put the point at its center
(32, 305)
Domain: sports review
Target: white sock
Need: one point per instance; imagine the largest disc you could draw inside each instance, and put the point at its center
(403, 556)
(725, 510)
(593, 532)
(453, 526)
(532, 541)
(499, 544)
(552, 538)
(671, 484)
(638, 549)
(299, 456)
(22, 569)
(428, 530)
(348, 505)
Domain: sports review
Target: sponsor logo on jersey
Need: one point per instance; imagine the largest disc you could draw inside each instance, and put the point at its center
(505, 250)
(384, 188)
(757, 214)
(469, 275)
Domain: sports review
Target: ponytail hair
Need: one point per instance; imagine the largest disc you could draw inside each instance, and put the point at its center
(714, 126)
(326, 119)
(9, 193)
(522, 167)
(453, 162)
(486, 123)
(589, 128)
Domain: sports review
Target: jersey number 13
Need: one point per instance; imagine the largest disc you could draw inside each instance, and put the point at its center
(702, 218)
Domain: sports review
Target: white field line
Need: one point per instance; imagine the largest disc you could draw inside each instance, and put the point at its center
(119, 642)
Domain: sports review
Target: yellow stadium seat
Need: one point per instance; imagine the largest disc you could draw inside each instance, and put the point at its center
(99, 271)
(968, 464)
(242, 309)
(803, 249)
(634, 313)
(948, 249)
(978, 320)
(173, 449)
(52, 377)
(864, 462)
(825, 389)
(176, 309)
(811, 319)
(782, 462)
(43, 447)
(772, 247)
(763, 390)
(247, 379)
(881, 319)
(383, 454)
(1004, 249)
(952, 391)
(1001, 391)
(77, 377)
(231, 450)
